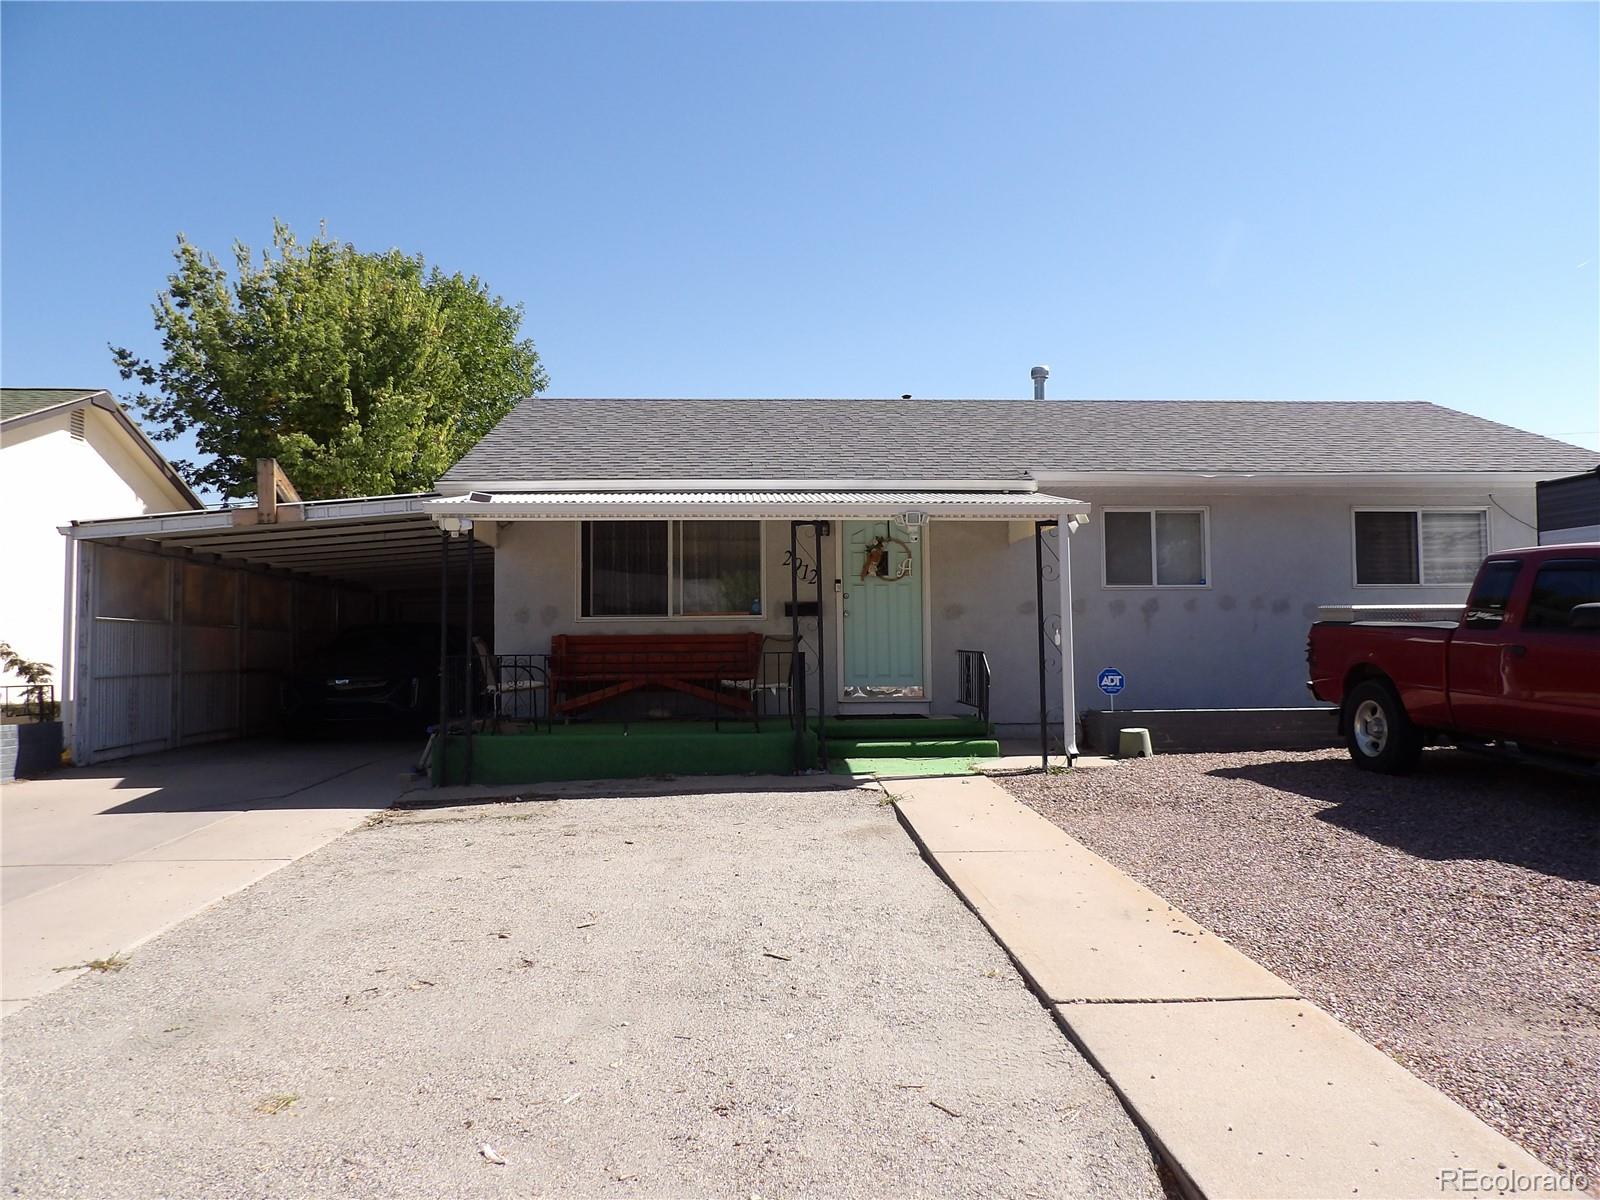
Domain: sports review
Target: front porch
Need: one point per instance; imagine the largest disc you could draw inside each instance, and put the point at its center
(642, 749)
(640, 634)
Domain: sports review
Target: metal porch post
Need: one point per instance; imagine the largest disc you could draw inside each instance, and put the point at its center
(439, 735)
(822, 656)
(472, 546)
(1038, 612)
(796, 719)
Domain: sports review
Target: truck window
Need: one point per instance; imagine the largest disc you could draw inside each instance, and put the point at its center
(1556, 589)
(1486, 607)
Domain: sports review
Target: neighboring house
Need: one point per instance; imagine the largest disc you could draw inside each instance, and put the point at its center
(1569, 509)
(66, 453)
(1215, 529)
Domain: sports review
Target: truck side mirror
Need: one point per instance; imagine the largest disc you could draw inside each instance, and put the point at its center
(1584, 616)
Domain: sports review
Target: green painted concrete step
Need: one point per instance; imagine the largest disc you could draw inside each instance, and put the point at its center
(914, 748)
(902, 768)
(894, 728)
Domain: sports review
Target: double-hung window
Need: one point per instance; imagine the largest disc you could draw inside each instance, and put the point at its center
(670, 568)
(1155, 547)
(1419, 545)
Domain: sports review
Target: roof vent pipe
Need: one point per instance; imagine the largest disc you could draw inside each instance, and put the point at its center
(1040, 374)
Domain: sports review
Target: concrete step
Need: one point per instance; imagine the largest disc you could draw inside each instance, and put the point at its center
(914, 748)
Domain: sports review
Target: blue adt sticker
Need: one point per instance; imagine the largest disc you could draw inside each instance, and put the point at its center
(1111, 681)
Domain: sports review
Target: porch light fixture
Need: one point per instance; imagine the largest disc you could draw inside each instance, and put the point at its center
(455, 526)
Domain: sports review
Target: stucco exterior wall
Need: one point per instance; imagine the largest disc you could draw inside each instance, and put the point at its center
(48, 478)
(1275, 555)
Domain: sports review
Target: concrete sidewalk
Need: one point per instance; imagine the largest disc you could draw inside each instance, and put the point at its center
(100, 859)
(1247, 1089)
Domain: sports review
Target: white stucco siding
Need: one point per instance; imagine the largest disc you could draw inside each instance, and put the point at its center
(1274, 557)
(48, 478)
(984, 598)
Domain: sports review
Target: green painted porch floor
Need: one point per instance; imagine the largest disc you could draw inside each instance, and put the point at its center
(908, 747)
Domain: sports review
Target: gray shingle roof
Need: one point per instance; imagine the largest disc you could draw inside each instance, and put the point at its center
(19, 402)
(548, 439)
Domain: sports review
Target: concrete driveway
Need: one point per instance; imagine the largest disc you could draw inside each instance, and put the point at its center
(98, 859)
(737, 994)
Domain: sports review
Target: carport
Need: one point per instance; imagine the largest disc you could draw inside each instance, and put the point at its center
(182, 627)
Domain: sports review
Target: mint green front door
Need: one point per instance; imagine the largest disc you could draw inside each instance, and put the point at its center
(882, 611)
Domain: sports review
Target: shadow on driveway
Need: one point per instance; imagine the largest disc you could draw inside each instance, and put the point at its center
(227, 776)
(1454, 806)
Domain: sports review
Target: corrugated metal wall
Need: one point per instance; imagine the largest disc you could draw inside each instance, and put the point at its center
(174, 652)
(129, 685)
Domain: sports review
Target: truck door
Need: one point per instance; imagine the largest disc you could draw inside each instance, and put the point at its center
(1479, 681)
(1555, 659)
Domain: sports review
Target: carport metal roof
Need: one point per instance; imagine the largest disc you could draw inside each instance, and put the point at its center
(370, 540)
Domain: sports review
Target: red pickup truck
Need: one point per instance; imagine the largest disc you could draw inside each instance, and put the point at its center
(1518, 672)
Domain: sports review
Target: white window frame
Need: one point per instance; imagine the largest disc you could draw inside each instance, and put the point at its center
(1205, 537)
(1417, 510)
(672, 546)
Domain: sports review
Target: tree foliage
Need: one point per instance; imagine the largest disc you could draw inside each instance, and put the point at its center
(360, 373)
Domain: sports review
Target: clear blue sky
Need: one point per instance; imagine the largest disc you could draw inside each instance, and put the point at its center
(1288, 201)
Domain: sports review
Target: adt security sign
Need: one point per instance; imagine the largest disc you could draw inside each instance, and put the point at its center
(1112, 681)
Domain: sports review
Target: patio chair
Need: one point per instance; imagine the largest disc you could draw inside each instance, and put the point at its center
(515, 683)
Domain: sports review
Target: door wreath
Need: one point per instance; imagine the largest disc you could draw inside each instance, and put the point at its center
(875, 559)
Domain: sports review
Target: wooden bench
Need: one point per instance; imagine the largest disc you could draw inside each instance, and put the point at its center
(593, 668)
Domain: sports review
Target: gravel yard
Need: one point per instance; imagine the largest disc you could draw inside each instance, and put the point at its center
(721, 995)
(1452, 916)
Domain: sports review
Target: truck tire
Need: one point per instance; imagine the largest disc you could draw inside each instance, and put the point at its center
(1378, 733)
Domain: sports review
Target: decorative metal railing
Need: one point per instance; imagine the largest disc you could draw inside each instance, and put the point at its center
(972, 682)
(512, 691)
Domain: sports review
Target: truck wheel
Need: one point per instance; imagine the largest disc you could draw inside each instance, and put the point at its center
(1379, 734)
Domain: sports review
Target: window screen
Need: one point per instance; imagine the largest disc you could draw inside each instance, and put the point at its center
(719, 568)
(1453, 544)
(1180, 548)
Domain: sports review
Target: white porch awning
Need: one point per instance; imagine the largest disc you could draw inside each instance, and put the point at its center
(911, 507)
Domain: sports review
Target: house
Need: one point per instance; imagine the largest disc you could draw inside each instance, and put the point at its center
(64, 453)
(891, 560)
(1210, 533)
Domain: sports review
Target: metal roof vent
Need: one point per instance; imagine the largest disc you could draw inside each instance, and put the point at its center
(1040, 374)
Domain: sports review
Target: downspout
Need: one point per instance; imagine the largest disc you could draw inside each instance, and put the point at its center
(1038, 622)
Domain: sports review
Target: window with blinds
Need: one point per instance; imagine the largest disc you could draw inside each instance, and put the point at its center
(1419, 546)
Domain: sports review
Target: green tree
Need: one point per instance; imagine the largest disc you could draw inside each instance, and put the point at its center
(360, 373)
